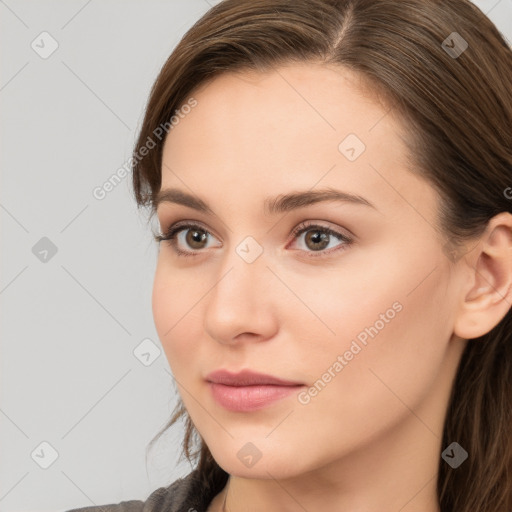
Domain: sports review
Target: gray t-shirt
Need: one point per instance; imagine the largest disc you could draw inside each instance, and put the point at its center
(186, 494)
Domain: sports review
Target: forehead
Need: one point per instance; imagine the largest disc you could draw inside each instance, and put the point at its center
(296, 126)
(307, 99)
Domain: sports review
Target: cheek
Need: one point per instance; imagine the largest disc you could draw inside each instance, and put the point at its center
(177, 318)
(386, 377)
(392, 328)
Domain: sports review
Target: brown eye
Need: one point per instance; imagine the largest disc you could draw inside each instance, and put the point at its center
(195, 238)
(317, 240)
(192, 239)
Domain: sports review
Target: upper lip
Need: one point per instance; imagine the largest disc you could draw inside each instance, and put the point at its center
(247, 378)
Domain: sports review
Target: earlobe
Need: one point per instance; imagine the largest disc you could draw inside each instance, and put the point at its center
(490, 296)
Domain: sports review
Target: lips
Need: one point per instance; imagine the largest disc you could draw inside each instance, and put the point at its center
(247, 378)
(247, 390)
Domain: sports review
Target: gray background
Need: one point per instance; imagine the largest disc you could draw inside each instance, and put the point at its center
(72, 320)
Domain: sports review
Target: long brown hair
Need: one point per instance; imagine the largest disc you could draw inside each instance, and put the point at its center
(457, 103)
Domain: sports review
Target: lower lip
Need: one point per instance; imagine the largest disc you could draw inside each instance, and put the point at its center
(249, 398)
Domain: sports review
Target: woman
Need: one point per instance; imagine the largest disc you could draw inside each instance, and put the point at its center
(332, 180)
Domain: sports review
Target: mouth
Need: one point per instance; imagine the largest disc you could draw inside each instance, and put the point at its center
(248, 391)
(249, 398)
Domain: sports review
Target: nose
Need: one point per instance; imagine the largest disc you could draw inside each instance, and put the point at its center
(242, 304)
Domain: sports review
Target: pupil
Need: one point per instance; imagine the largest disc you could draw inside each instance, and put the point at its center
(196, 237)
(319, 238)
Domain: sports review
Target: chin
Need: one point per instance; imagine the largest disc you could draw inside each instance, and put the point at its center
(247, 461)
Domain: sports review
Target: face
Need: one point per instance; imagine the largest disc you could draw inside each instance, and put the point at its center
(350, 298)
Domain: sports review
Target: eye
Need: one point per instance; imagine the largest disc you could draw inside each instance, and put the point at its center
(194, 236)
(317, 238)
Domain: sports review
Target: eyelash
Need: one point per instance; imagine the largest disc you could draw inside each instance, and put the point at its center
(170, 237)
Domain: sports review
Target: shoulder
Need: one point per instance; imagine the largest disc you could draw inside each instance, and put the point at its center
(186, 494)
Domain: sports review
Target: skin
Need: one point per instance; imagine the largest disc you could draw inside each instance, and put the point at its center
(370, 440)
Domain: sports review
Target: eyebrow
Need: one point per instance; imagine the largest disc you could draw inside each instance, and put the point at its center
(280, 204)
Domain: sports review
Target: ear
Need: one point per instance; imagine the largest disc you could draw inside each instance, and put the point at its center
(487, 297)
